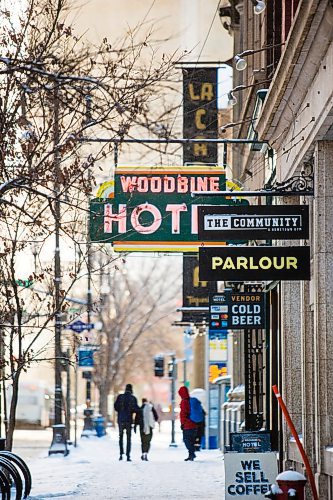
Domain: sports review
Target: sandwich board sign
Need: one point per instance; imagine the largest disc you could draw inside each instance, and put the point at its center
(249, 475)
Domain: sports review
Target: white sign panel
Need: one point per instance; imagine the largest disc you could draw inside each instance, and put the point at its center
(249, 475)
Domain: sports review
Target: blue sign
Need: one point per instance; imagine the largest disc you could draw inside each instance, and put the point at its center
(250, 442)
(86, 358)
(79, 326)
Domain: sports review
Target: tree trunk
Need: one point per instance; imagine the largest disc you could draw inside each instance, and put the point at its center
(12, 412)
(103, 401)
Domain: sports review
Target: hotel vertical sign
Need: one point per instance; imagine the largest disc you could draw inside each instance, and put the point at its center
(195, 292)
(200, 114)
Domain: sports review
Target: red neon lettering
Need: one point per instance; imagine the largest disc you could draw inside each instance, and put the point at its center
(156, 184)
(175, 217)
(155, 213)
(169, 184)
(110, 218)
(128, 184)
(143, 184)
(214, 184)
(182, 184)
(202, 184)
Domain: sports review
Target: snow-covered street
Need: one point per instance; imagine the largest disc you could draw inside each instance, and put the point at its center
(92, 470)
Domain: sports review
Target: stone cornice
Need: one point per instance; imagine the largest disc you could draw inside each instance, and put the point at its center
(290, 68)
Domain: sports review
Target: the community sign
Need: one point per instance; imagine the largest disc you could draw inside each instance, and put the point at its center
(152, 209)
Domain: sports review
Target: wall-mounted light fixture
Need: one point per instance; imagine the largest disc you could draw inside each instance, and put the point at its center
(241, 63)
(232, 99)
(258, 6)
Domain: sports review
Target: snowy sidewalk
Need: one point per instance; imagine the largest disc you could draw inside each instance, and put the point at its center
(92, 471)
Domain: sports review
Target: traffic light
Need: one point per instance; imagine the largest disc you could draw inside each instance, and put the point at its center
(172, 369)
(159, 366)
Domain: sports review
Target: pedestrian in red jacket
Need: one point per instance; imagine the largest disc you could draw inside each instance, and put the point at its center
(189, 428)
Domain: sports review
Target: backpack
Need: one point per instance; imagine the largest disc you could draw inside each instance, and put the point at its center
(196, 411)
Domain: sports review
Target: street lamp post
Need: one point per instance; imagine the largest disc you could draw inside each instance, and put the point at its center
(88, 425)
(59, 442)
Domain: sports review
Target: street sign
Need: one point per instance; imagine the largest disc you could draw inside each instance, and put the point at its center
(218, 345)
(153, 209)
(264, 222)
(249, 475)
(86, 357)
(25, 283)
(250, 442)
(254, 263)
(236, 310)
(79, 326)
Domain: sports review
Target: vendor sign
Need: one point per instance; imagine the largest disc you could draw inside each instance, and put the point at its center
(249, 475)
(152, 208)
(236, 310)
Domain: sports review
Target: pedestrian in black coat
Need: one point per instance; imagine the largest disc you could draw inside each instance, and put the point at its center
(126, 406)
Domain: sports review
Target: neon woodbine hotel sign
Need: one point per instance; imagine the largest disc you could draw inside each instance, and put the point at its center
(153, 208)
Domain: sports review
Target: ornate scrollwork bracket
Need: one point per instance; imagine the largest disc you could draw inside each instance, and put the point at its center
(302, 184)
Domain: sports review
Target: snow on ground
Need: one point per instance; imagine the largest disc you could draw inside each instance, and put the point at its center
(93, 471)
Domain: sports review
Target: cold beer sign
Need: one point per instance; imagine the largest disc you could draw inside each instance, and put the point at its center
(233, 310)
(151, 209)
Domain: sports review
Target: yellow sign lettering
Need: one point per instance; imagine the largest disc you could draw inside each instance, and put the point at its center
(253, 263)
(216, 262)
(198, 115)
(196, 281)
(207, 92)
(291, 262)
(193, 96)
(200, 149)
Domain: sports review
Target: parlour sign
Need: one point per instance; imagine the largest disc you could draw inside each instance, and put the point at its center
(236, 310)
(151, 209)
(264, 222)
(254, 263)
(249, 475)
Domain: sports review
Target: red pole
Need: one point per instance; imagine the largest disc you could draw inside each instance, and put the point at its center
(298, 442)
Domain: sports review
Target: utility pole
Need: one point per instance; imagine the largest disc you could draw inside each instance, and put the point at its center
(88, 426)
(68, 395)
(59, 442)
(185, 371)
(2, 377)
(173, 396)
(57, 267)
